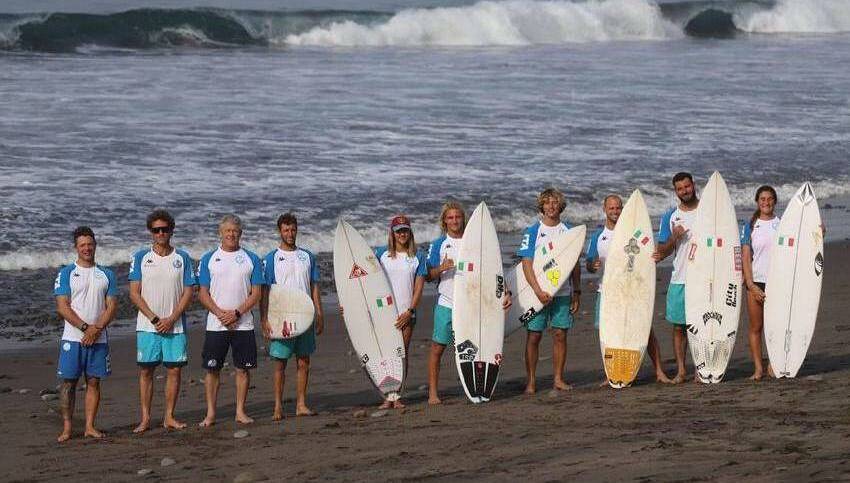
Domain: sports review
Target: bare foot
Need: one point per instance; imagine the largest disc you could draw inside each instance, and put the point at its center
(770, 371)
(387, 404)
(172, 423)
(65, 436)
(244, 419)
(93, 433)
(434, 400)
(207, 422)
(278, 415)
(562, 386)
(305, 411)
(142, 427)
(680, 378)
(398, 404)
(603, 383)
(662, 378)
(529, 390)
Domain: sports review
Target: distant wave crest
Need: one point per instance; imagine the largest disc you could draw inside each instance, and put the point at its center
(489, 22)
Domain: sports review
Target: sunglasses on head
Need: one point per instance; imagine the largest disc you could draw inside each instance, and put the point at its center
(160, 229)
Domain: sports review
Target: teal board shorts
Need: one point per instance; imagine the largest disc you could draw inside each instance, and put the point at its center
(556, 315)
(675, 313)
(153, 349)
(301, 346)
(442, 325)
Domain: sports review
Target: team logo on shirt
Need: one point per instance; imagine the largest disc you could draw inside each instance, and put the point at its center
(76, 274)
(302, 256)
(240, 259)
(177, 263)
(149, 261)
(281, 259)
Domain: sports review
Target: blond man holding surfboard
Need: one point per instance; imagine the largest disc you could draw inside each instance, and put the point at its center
(673, 236)
(597, 252)
(560, 307)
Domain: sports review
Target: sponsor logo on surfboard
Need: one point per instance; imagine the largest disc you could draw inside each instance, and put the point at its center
(384, 301)
(528, 315)
(818, 264)
(357, 272)
(466, 350)
(732, 295)
(631, 250)
(738, 262)
(786, 241)
(553, 276)
(500, 286)
(716, 316)
(692, 252)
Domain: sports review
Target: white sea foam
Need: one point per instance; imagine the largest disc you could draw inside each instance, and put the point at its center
(515, 22)
(507, 221)
(798, 16)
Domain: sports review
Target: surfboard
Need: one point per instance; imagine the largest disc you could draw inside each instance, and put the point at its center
(628, 294)
(369, 310)
(793, 286)
(290, 312)
(713, 282)
(553, 263)
(478, 319)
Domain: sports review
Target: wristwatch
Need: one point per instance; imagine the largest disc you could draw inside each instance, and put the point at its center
(238, 314)
(84, 327)
(155, 320)
(577, 292)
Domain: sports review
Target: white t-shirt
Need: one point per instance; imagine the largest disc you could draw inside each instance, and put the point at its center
(671, 218)
(402, 272)
(229, 277)
(442, 248)
(296, 269)
(87, 287)
(163, 280)
(760, 238)
(600, 241)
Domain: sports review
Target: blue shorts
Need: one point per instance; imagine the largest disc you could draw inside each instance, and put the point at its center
(556, 315)
(676, 304)
(153, 348)
(443, 333)
(301, 346)
(76, 360)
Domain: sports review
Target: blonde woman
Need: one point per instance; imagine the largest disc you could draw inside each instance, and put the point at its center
(406, 269)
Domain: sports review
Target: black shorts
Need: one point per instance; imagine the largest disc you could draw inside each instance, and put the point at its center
(216, 344)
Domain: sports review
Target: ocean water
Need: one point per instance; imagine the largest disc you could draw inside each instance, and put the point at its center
(365, 109)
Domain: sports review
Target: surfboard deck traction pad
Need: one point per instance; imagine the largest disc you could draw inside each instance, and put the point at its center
(621, 365)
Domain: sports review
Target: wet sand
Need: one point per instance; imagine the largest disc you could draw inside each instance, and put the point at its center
(772, 430)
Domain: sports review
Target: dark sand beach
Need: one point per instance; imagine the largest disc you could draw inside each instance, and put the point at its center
(788, 430)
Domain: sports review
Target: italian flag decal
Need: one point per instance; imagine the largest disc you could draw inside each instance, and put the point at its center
(714, 242)
(464, 266)
(637, 236)
(385, 301)
(547, 248)
(786, 241)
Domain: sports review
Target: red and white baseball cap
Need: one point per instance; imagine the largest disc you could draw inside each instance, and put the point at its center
(400, 222)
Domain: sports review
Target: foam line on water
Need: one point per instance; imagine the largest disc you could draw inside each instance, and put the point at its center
(797, 16)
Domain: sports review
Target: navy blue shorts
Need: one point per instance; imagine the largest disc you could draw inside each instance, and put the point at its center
(217, 343)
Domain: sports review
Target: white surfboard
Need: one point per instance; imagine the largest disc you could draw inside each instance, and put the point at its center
(553, 263)
(628, 294)
(793, 286)
(369, 310)
(290, 312)
(713, 282)
(478, 319)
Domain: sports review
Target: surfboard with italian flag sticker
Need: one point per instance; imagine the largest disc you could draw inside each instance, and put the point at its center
(637, 236)
(548, 247)
(714, 242)
(786, 241)
(465, 266)
(385, 301)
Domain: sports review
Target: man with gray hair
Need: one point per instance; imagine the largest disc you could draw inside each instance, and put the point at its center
(231, 280)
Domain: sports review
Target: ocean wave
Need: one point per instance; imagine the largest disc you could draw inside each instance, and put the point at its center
(516, 22)
(509, 219)
(486, 23)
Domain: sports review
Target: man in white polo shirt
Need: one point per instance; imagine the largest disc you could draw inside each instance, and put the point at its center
(294, 268)
(161, 286)
(86, 297)
(231, 280)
